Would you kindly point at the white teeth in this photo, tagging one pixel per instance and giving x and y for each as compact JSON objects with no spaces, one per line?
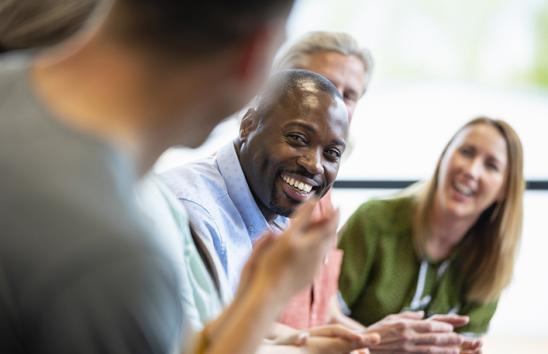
{"x":305,"y":187}
{"x":463,"y":189}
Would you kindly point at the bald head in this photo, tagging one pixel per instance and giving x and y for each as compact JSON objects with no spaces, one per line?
{"x":291,"y":144}
{"x":298,"y":88}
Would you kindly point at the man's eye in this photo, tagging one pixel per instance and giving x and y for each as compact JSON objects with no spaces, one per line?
{"x":296,"y":139}
{"x":333,"y":154}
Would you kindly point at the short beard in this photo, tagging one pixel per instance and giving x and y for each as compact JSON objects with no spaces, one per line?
{"x":275,"y":208}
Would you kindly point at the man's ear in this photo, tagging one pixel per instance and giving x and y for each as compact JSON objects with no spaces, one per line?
{"x":249,"y":123}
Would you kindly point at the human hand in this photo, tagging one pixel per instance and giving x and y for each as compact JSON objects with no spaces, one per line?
{"x":336,"y":345}
{"x":342,"y":332}
{"x":409,"y":333}
{"x":289,"y":261}
{"x":337,"y":317}
{"x":454,"y":320}
{"x":471,"y":346}
{"x":299,"y":338}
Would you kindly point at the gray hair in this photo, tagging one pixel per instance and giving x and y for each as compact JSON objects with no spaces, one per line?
{"x":322,"y":41}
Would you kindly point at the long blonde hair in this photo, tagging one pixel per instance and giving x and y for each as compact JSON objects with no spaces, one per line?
{"x":491,"y":244}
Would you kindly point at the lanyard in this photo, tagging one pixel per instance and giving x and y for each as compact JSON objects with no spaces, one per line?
{"x":419,"y":301}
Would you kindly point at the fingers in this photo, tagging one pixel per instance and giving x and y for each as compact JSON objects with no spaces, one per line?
{"x":335,"y":331}
{"x":471,"y":346}
{"x":412,"y":315}
{"x":258,"y":249}
{"x":417,"y":336}
{"x":298,"y":339}
{"x":319,"y":237}
{"x":475,"y":351}
{"x":327,"y":224}
{"x":303,"y":215}
{"x":354,"y":340}
{"x":432,"y":350}
{"x":262,"y":243}
{"x":431,"y":326}
{"x":361,"y":351}
{"x":454,"y":320}
{"x":438,"y":339}
{"x":471,"y":343}
{"x":370,"y":339}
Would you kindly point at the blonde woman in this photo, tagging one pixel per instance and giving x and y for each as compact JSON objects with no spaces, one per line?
{"x":446,"y":246}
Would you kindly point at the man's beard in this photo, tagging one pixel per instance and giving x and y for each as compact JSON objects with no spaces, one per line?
{"x":276,"y":208}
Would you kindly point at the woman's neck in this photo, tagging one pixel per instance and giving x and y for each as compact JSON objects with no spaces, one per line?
{"x":446,"y":232}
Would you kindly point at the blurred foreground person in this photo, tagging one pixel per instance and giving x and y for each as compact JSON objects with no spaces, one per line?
{"x":79,"y":270}
{"x":443,"y":247}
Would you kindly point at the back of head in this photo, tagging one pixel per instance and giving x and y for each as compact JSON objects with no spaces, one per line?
{"x":322,"y":41}
{"x":192,"y":27}
{"x":29,"y":24}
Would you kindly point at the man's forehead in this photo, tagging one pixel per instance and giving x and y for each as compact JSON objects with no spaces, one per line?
{"x":301,"y":104}
{"x":318,"y":108}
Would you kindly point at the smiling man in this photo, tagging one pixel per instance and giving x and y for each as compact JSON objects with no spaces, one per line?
{"x":288,"y":150}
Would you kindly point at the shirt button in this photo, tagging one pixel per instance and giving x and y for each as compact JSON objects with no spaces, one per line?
{"x":251,"y":229}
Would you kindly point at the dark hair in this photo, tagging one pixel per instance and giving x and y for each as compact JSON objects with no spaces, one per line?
{"x":289,"y":83}
{"x":33,"y":24}
{"x":190,"y":26}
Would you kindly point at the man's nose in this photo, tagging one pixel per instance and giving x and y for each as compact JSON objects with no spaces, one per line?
{"x":312,"y":161}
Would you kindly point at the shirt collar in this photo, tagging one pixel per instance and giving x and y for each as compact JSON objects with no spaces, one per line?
{"x":239,"y":192}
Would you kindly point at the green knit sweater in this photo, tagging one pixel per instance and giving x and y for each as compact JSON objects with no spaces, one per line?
{"x":381,"y":272}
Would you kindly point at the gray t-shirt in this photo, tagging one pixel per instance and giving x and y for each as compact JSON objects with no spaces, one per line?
{"x":79,"y":272}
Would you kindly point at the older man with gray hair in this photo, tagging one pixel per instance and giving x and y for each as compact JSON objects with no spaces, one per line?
{"x":338,"y":57}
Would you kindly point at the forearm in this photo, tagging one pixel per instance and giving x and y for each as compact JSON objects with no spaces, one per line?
{"x":281,"y":349}
{"x":336,"y":316}
{"x":247,"y":322}
{"x":280,"y":330}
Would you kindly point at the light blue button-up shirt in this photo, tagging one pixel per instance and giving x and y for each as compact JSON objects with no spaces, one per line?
{"x":221,"y":207}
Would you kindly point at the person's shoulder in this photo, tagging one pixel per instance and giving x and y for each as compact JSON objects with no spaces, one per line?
{"x":394,"y":204}
{"x":387,"y":212}
{"x":14,"y":64}
{"x":13,"y":72}
{"x":195,"y":180}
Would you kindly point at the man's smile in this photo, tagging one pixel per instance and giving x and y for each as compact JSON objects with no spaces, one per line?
{"x":297,"y":183}
{"x":298,"y":188}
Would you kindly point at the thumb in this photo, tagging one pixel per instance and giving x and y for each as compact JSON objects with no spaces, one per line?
{"x":303,"y":215}
{"x":370,"y":339}
{"x":412,"y":315}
